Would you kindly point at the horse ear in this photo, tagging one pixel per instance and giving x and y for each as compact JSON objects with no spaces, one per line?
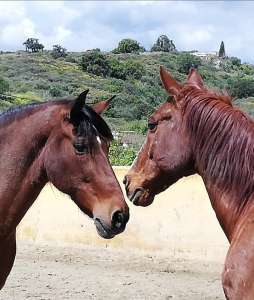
{"x":195,"y":79}
{"x":80,"y":101}
{"x":170,"y":84}
{"x":101,"y":106}
{"x":77,"y":107}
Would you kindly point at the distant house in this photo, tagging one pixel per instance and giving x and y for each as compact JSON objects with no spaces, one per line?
{"x":206,"y":55}
{"x":129,"y":138}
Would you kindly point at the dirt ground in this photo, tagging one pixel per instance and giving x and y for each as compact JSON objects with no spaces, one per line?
{"x":45,"y":272}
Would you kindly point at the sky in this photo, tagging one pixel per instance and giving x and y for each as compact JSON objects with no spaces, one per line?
{"x":78,"y":26}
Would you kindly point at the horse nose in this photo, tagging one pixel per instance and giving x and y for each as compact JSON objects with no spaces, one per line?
{"x":119,"y":220}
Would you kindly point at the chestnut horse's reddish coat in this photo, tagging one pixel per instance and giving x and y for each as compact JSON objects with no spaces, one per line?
{"x":64,"y":142}
{"x":199,"y":131}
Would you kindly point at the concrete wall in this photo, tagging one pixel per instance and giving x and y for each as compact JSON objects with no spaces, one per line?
{"x":180,"y":222}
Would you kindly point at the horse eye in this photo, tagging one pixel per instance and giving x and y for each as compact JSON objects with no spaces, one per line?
{"x":81,"y":151}
{"x":80,"y":147}
{"x":152,"y":126}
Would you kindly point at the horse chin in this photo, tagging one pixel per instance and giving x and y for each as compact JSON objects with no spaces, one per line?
{"x":142,"y":197}
{"x":146,"y":201}
{"x":103,"y":230}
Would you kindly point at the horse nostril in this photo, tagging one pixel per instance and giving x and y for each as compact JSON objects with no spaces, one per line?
{"x":118,"y":220}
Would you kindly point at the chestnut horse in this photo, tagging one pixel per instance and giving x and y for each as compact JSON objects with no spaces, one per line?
{"x":199,"y":131}
{"x":64,"y":142}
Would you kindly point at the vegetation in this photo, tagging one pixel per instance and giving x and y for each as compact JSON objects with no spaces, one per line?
{"x":128,"y":46}
{"x":134,"y":77}
{"x":186,"y":61}
{"x":222,"y":52}
{"x":4,"y":86}
{"x":58,"y":51}
{"x":33,"y":45}
{"x":120,"y":155}
{"x":241,"y":87}
{"x":164,"y":44}
{"x":97,"y":63}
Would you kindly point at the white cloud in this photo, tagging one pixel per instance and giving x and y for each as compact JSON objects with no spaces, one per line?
{"x":59,"y":35}
{"x":84,"y":25}
{"x":14,"y":34}
{"x":11,"y":11}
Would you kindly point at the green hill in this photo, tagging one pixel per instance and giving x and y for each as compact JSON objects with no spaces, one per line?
{"x":38,"y":76}
{"x":134,"y":78}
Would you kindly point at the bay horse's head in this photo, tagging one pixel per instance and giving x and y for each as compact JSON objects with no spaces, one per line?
{"x":77,"y":164}
{"x":166,"y":154}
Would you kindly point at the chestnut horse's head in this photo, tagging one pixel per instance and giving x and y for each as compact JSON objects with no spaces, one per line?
{"x":77,"y":163}
{"x":166,"y":155}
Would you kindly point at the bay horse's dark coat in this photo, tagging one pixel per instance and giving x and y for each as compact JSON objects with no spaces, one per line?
{"x":63,"y":142}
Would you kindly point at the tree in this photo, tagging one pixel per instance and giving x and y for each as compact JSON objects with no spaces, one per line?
{"x":58,"y":51}
{"x":222,"y":53}
{"x":164,"y":44}
{"x":95,"y":62}
{"x":186,"y":61}
{"x":128,"y":46}
{"x":33,"y":45}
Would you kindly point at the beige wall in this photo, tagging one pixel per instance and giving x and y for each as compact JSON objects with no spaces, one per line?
{"x":180,"y":222}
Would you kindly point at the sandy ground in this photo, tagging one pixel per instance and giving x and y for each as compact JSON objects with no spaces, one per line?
{"x":45,"y":272}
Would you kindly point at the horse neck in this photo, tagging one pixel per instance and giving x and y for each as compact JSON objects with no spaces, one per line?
{"x":22,"y":175}
{"x":226,"y":212}
{"x":227,"y":174}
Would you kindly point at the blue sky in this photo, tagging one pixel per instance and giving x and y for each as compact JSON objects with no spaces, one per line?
{"x":85,"y":25}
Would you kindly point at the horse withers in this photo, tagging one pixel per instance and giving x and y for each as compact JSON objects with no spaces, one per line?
{"x":200,"y":131}
{"x":64,"y":142}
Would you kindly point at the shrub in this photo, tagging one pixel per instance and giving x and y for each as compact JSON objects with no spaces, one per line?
{"x":235,"y":61}
{"x":95,"y":62}
{"x":247,"y":69}
{"x":117,"y":69}
{"x":120,"y":155}
{"x":134,"y":69}
{"x":128,"y":46}
{"x":186,"y":61}
{"x":4,"y":86}
{"x":241,"y":87}
{"x":55,"y":91}
{"x":58,"y":51}
{"x":125,"y":69}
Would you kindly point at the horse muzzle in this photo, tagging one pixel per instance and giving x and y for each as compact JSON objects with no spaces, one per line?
{"x":118,"y":223}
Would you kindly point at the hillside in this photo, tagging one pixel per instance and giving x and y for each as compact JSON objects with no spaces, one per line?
{"x":38,"y":76}
{"x":27,"y":77}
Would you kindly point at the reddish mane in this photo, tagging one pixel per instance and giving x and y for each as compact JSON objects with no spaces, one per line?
{"x":223,"y":140}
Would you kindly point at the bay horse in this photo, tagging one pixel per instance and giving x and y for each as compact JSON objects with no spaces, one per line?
{"x":64,"y":142}
{"x":200,"y":131}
